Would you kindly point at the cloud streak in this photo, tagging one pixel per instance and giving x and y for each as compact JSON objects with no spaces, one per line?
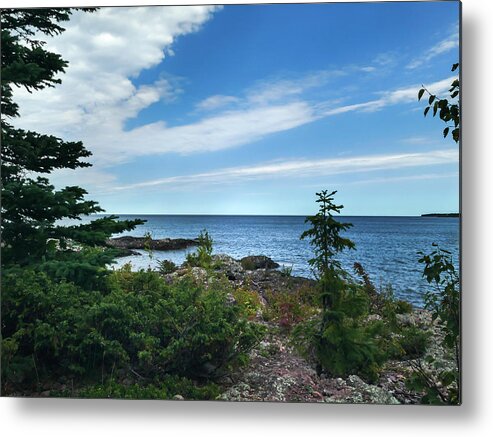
{"x":301,"y":169}
{"x":443,"y":46}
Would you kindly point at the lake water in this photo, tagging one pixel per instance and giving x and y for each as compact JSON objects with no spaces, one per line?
{"x":386,"y":246}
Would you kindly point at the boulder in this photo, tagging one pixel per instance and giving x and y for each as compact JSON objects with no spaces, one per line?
{"x":230,"y":267}
{"x":255,"y":262}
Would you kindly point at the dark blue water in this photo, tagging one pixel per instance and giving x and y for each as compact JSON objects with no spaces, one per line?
{"x":386,"y":246}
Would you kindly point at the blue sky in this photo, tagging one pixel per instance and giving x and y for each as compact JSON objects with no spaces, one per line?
{"x":252,"y":109}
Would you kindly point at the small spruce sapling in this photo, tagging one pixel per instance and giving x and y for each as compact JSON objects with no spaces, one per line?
{"x":325,"y":238}
{"x":341,"y":343}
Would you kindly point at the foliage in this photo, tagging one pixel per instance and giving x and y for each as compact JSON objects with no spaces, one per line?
{"x":286,"y":271}
{"x":31,"y":207}
{"x":443,"y":300}
{"x":339,"y":340}
{"x":248,"y":264}
{"x":394,"y":339}
{"x":442,"y":385}
{"x":344,"y":343}
{"x":167,"y":388}
{"x":413,"y":342}
{"x":248,"y":300}
{"x":166,"y":266}
{"x":203,"y":256}
{"x":345,"y":339}
{"x":376,"y":299}
{"x":291,"y":307}
{"x":448,"y":109}
{"x":140,"y":324}
{"x":382,"y":301}
{"x":324,"y":235}
{"x":148,"y":245}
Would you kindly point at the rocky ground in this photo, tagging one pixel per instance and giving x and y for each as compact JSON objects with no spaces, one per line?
{"x":276,"y":372}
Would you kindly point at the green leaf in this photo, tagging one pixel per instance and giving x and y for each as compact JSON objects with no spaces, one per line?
{"x":456,"y":134}
{"x":426,"y":110}
{"x":455,"y":66}
{"x":435,"y":108}
{"x":431,"y":99}
{"x":420,"y":93}
{"x":445,"y":132}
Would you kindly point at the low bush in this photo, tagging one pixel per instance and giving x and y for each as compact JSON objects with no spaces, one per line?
{"x":341,"y":342}
{"x":248,"y":300}
{"x":413,"y":342}
{"x":203,"y":256}
{"x":438,"y":379}
{"x":166,"y":267}
{"x":167,"y":388}
{"x":139,"y":323}
{"x":290,"y":307}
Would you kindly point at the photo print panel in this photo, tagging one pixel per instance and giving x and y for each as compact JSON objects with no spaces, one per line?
{"x":252,"y":202}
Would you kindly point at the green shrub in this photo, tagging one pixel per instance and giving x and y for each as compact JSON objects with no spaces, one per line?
{"x":203,"y":256}
{"x":438,"y":381}
{"x":248,"y":264}
{"x":403,"y":307}
{"x":140,"y":323}
{"x":166,"y":267}
{"x":413,"y":342}
{"x":290,"y":307}
{"x":341,"y":342}
{"x":167,"y":388}
{"x":286,"y":271}
{"x":248,"y":300}
{"x":43,"y":327}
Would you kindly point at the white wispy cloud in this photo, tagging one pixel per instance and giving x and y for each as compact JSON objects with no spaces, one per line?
{"x":105,"y":50}
{"x":418,"y":177}
{"x":443,"y":46}
{"x":388,"y":98}
{"x":97,"y":96}
{"x":301,"y":168}
{"x":223,"y":131}
{"x":273,"y":90}
{"x":419,"y":141}
{"x":216,"y":101}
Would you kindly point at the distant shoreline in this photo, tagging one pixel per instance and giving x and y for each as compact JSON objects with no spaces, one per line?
{"x":450,"y":214}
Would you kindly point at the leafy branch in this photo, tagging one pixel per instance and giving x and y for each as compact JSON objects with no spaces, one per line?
{"x":447,"y":109}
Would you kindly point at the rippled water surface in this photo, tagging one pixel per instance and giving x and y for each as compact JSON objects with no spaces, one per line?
{"x":386,"y":246}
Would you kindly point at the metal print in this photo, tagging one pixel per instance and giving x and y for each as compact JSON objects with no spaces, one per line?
{"x":232,"y":203}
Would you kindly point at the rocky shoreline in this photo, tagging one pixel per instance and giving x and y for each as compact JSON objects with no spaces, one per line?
{"x":127,"y":245}
{"x":258,"y":271}
{"x":276,"y":371}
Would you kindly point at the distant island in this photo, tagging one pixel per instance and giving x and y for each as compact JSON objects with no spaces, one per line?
{"x":450,"y":214}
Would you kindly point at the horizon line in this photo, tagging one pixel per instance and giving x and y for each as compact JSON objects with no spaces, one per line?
{"x":268,"y":215}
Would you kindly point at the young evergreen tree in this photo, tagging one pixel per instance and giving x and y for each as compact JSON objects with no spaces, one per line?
{"x":31,"y":206}
{"x":341,"y":342}
{"x":324,"y":235}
